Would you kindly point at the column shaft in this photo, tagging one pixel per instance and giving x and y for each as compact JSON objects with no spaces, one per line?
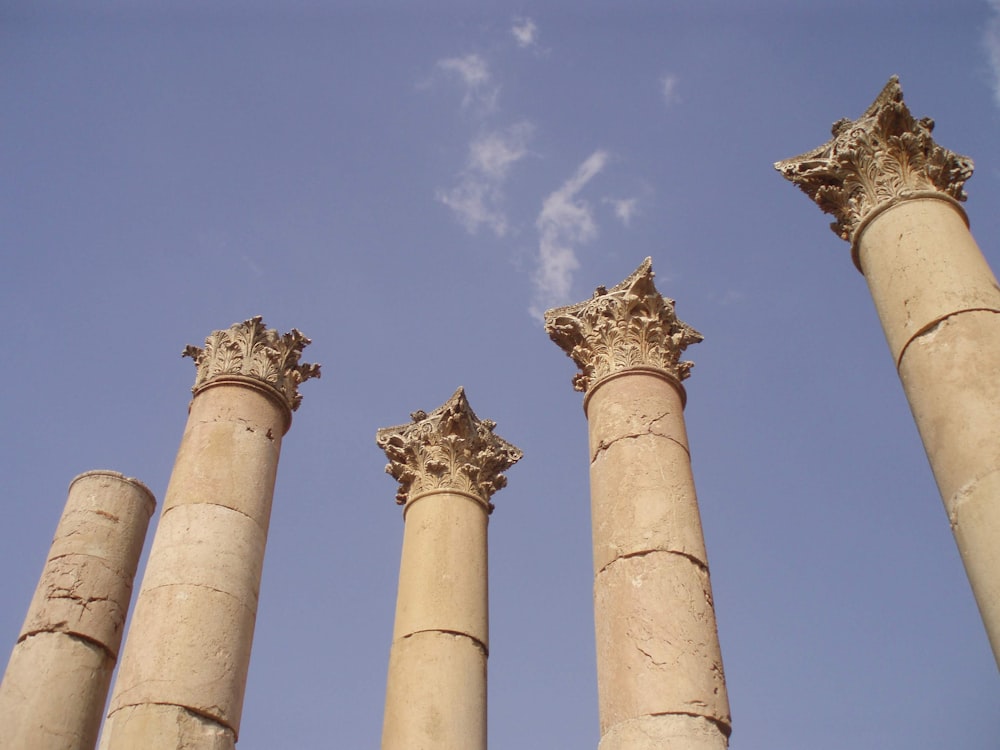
{"x":894,"y":193}
{"x":659,"y":667}
{"x":436,"y":687}
{"x":448,"y":463}
{"x":184,"y":666}
{"x":939,"y":305}
{"x":188,"y":650}
{"x":57,"y":680}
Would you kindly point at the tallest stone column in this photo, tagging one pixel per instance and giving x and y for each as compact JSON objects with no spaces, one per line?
{"x":659,"y":668}
{"x":184,"y":666}
{"x":894,"y":194}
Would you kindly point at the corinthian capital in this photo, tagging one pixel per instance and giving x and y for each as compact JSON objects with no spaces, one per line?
{"x":448,"y":449}
{"x":631,"y":325}
{"x":884,"y":156}
{"x":249,"y":351}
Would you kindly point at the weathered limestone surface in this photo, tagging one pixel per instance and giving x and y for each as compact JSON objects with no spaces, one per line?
{"x":657,"y":650}
{"x":443,"y":569}
{"x":57,"y":680}
{"x":951,"y":375}
{"x":642,"y":489}
{"x":448,"y":463}
{"x":664,"y":732}
{"x":184,"y":667}
{"x":922,"y":266}
{"x":656,"y":638}
{"x":436,"y":692}
{"x":894,"y":193}
{"x":166,"y":726}
{"x":659,"y":666}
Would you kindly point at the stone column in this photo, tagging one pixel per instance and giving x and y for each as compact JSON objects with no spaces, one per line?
{"x":448,"y":464}
{"x":659,"y":667}
{"x":894,"y":193}
{"x":57,"y":680}
{"x":185,"y":660}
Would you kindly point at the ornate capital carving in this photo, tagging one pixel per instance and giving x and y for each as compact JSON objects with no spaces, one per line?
{"x":631,"y":325}
{"x":884,"y":156}
{"x":251,"y":351}
{"x":448,"y":449}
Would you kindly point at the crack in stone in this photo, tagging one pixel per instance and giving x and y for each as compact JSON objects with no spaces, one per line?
{"x":664,"y":415}
{"x":70,"y":593}
{"x":217,"y":505}
{"x":650,"y":656}
{"x":723,"y":727}
{"x":457,"y":633}
{"x":962,"y":494}
{"x":103,"y":560}
{"x":934,"y":325}
{"x":604,"y":445}
{"x":56,"y":629}
{"x":643,"y":553}
{"x":199,"y":714}
{"x":231,"y":595}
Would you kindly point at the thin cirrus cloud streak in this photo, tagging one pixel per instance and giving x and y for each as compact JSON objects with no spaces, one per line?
{"x":992,"y":40}
{"x":565,"y":222}
{"x":477,"y":200}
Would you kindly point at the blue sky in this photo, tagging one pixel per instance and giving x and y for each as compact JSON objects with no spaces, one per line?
{"x":411,"y":188}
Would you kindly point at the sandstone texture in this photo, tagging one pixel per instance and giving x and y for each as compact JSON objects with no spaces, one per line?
{"x":184,"y":667}
{"x":436,"y":693}
{"x":895,"y":195}
{"x":660,"y":681}
{"x":57,"y":680}
{"x":448,"y":464}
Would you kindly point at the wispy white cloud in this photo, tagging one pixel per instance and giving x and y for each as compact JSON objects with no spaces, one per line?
{"x":565,"y":221}
{"x":472,"y":69}
{"x":476,"y":203}
{"x":525,"y":32}
{"x":477,"y":200}
{"x":474,"y":75}
{"x":668,"y":88}
{"x":493,"y":153}
{"x":992,"y":38}
{"x":624,"y":208}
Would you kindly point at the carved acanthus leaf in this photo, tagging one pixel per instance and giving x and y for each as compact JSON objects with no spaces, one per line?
{"x":884,"y":155}
{"x":632,"y":325}
{"x":251,"y":350}
{"x":448,"y":449}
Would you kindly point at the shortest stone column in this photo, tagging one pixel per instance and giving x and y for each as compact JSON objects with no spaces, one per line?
{"x":448,"y":463}
{"x":57,"y":680}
